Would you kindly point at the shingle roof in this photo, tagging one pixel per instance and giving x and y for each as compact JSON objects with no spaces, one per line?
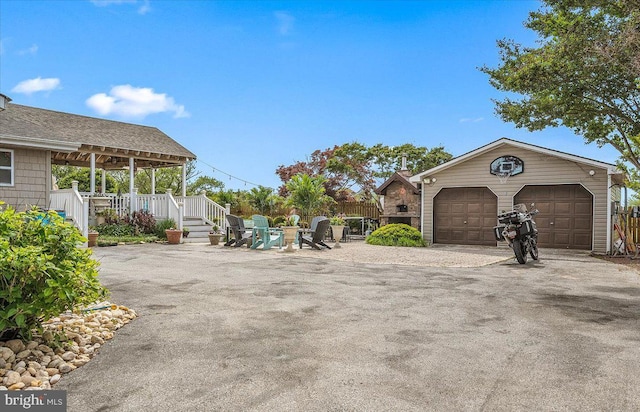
{"x":92,"y":133}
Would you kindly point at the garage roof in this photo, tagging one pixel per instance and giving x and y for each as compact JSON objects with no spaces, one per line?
{"x":611,"y":168}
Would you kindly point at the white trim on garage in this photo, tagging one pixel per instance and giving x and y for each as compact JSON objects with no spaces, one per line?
{"x":611,"y":169}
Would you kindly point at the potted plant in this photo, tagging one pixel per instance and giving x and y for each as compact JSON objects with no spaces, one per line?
{"x":185,"y":232}
{"x":173,"y":235}
{"x":92,"y":238}
{"x":215,"y":235}
{"x":290,"y":230}
{"x":337,"y":228}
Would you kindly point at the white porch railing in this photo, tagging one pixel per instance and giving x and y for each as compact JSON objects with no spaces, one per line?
{"x":201,"y":207}
{"x":73,"y":205}
{"x":173,"y":209}
{"x":162,"y":206}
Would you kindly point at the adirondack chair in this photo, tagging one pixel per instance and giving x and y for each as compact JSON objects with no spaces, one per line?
{"x":316,"y":234}
{"x":241,"y":235}
{"x":265,"y":235}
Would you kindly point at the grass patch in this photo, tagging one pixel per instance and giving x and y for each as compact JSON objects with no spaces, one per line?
{"x":107,"y":240}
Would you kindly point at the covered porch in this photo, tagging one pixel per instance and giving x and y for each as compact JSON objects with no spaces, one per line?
{"x":33,"y":136}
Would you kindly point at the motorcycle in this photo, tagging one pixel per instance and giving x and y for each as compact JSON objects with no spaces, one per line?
{"x":519,"y":230}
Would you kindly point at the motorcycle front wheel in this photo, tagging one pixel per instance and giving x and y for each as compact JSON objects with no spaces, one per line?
{"x":519,"y":250}
{"x":533,"y":250}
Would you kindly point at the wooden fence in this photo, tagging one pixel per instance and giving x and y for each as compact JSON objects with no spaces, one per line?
{"x":363,"y":209}
{"x":629,"y":223}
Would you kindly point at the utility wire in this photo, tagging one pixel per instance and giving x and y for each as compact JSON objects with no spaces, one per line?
{"x":215,"y":169}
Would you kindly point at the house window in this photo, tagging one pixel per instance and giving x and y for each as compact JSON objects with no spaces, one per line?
{"x":6,"y":167}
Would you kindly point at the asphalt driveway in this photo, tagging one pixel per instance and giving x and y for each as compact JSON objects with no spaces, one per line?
{"x":223,"y":329}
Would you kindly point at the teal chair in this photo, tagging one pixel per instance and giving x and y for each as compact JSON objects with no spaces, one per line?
{"x":265,"y":236}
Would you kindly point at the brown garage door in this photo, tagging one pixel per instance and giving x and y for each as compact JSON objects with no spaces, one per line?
{"x":566,"y":215}
{"x":465,"y":216}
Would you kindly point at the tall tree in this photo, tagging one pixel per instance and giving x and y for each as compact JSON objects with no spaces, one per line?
{"x":388,"y":159}
{"x":583,"y":74}
{"x":354,"y":170}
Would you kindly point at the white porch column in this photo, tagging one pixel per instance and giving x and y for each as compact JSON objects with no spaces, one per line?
{"x":134,"y":200}
{"x":132,"y":175}
{"x":153,"y":180}
{"x":92,"y":181}
{"x":184,"y":180}
{"x":104,"y":181}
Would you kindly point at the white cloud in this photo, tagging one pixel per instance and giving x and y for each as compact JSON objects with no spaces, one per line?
{"x":144,"y":8}
{"x":31,"y":50}
{"x":128,"y":101}
{"x":285,"y":22}
{"x":37,"y":85}
{"x":471,"y":120}
{"x":104,"y":3}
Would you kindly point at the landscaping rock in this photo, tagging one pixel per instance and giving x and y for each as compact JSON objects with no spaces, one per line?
{"x":16,"y":386}
{"x":12,"y":378}
{"x":6,"y":353}
{"x":16,"y":345}
{"x":67,"y":356}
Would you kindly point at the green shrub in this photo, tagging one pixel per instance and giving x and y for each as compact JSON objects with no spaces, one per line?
{"x":115,"y":229}
{"x":396,"y":234}
{"x":162,"y":225}
{"x":142,"y":221}
{"x":43,"y":272}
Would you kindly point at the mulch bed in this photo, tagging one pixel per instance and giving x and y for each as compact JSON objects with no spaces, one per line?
{"x":622,"y":260}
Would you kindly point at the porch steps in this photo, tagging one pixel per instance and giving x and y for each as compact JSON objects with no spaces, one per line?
{"x":198,"y":230}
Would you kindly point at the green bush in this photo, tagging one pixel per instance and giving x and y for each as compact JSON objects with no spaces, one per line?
{"x":143,"y":222}
{"x":115,"y":229}
{"x":43,"y":272}
{"x":396,"y":234}
{"x":162,"y":225}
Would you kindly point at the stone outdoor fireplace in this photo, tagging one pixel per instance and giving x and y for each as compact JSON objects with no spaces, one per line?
{"x":401,"y":202}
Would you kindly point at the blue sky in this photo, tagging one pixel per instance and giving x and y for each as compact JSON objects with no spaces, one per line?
{"x":250,"y":85}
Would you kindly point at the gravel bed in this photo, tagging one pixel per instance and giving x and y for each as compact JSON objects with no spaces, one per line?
{"x":41,"y":363}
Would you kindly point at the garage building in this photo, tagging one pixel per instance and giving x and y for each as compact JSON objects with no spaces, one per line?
{"x":460,"y":199}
